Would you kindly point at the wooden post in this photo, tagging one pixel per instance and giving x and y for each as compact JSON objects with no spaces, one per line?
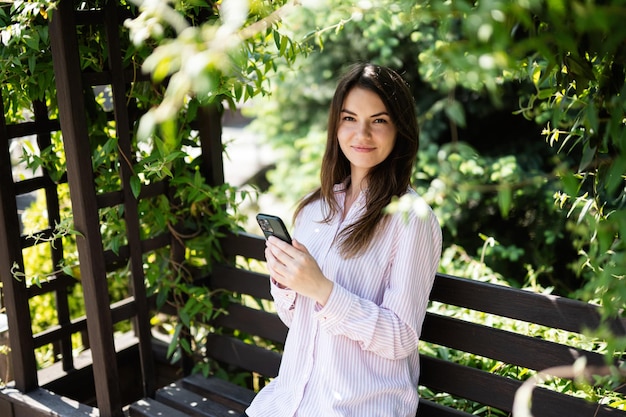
{"x":15,"y":294}
{"x":210,"y":128}
{"x":67,"y":73}
{"x":141,"y":321}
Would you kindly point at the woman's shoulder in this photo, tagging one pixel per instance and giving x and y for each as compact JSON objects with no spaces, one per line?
{"x":411,"y":209}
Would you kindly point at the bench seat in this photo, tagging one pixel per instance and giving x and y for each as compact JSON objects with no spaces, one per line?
{"x":198,"y":396}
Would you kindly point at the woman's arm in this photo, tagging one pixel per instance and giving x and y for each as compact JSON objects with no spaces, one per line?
{"x":391,"y":329}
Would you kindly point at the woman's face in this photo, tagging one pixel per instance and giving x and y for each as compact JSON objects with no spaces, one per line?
{"x":366,"y":133}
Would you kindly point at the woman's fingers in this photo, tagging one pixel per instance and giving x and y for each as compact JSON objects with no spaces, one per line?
{"x":293,"y":267}
{"x":273,"y":263}
{"x":283,"y":261}
{"x":279,"y":246}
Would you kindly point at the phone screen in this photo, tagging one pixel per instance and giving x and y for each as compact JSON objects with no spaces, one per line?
{"x":273,"y":226}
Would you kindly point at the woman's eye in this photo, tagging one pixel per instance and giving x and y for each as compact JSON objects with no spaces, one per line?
{"x":348,"y":118}
{"x":380,"y":121}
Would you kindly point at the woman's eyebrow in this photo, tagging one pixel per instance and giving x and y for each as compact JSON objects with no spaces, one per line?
{"x":382,"y":113}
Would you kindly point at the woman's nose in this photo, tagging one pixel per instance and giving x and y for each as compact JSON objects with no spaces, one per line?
{"x":364,"y":130}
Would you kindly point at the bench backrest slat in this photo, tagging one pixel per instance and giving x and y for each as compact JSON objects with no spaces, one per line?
{"x":430,"y":409}
{"x":501,"y":345}
{"x":243,"y":244}
{"x":499,"y":391}
{"x":256,"y":322}
{"x":546,"y":310}
{"x":241,"y":281}
{"x":242,"y":355}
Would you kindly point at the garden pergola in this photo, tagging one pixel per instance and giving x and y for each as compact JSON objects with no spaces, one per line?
{"x":118,"y":370}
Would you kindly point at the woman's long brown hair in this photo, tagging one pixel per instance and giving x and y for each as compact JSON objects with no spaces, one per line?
{"x":388,"y":179}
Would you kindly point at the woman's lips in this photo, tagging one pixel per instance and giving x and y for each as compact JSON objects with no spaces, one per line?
{"x":363,"y":148}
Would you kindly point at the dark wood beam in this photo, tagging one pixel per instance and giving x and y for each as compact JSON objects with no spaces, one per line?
{"x":64,"y":46}
{"x":141,"y":322}
{"x":210,"y":129}
{"x":15,"y":293}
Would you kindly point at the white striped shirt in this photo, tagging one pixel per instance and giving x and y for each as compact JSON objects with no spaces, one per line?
{"x":356,"y":356}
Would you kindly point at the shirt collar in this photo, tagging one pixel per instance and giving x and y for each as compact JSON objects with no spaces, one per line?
{"x":342,"y":186}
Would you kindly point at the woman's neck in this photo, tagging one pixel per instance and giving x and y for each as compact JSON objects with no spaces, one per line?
{"x":352,"y":193}
{"x":358,"y":182}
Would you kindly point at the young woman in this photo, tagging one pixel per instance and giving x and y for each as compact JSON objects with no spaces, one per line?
{"x":353,"y":288}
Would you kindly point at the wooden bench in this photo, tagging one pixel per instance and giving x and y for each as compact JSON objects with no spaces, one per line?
{"x":199,"y":396}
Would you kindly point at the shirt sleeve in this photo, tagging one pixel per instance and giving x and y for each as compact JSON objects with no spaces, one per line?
{"x":391,"y":329}
{"x":284,"y":301}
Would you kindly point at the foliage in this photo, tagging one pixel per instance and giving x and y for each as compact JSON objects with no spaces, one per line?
{"x":385,"y":34}
{"x":478,"y":180}
{"x":486,"y":77}
{"x":574,"y":58}
{"x":194,"y":213}
{"x":227,"y":60}
{"x":224,"y":59}
{"x":471,"y":64}
{"x":26,"y":70}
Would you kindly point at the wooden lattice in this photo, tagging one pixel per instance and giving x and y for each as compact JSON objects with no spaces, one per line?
{"x":97,"y":328}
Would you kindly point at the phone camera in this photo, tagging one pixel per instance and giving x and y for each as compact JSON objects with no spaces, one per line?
{"x":265,"y":225}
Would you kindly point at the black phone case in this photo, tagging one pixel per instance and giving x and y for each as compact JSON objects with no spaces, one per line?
{"x":273,"y":226}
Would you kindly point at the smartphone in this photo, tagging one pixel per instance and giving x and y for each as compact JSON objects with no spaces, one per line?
{"x":273,"y":226}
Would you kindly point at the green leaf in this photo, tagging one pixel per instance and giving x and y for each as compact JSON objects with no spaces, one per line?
{"x":237,"y":90}
{"x":32,"y":41}
{"x":545,"y":93}
{"x":277,"y":39}
{"x":454,"y":111}
{"x":504,"y":199}
{"x":184,"y":343}
{"x":67,"y":270}
{"x":166,"y":171}
{"x":174,"y":155}
{"x":31,"y":63}
{"x":115,"y":243}
{"x":606,"y":235}
{"x":284,"y":42}
{"x":135,"y":185}
{"x":589,"y":154}
{"x":184,"y":317}
{"x":162,"y":296}
{"x":174,"y":344}
{"x":249,"y":91}
{"x":615,"y":174}
{"x":571,"y":183}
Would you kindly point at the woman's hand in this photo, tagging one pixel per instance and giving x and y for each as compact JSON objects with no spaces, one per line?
{"x":295,"y":268}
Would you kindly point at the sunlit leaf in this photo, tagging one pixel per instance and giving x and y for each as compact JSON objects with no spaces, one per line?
{"x":585,"y":210}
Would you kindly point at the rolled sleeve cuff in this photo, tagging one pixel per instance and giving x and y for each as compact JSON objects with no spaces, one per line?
{"x":282,"y":294}
{"x":336,"y":309}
